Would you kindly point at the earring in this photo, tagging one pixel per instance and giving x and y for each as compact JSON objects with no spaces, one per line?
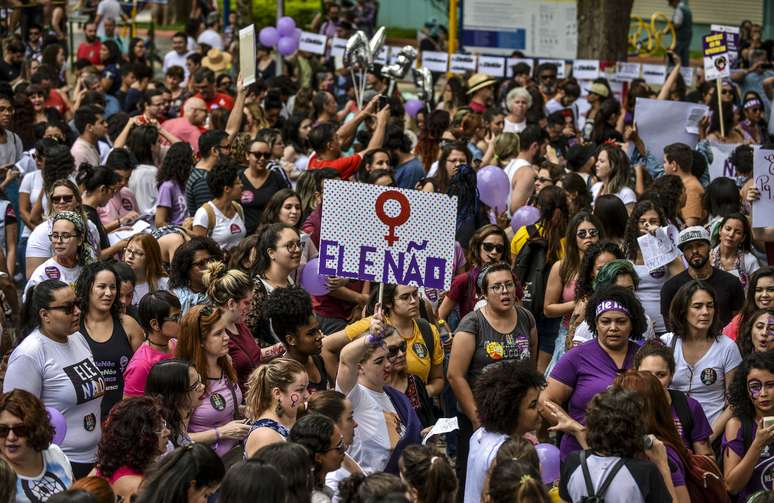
{"x":278,"y":410}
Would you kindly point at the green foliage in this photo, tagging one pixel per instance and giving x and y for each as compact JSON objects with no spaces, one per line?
{"x":302,"y":11}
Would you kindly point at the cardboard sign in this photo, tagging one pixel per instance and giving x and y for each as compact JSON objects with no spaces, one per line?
{"x":561,"y":71}
{"x":763,"y":173}
{"x":716,"y":63}
{"x":585,"y":69}
{"x":627,"y":71}
{"x":312,"y":42}
{"x":338,"y":46}
{"x":658,"y":249}
{"x":514,"y":61}
{"x":247,"y":54}
{"x":461,"y":63}
{"x":654,"y":74}
{"x":435,"y":61}
{"x":389,"y":235}
{"x":491,"y":65}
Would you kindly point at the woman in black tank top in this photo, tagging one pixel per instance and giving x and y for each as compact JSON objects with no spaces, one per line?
{"x":112,"y":337}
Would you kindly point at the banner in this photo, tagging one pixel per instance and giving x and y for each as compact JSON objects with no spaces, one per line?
{"x":561,"y":71}
{"x":585,"y":69}
{"x":435,"y":61}
{"x":491,"y":65}
{"x":662,"y":122}
{"x":312,"y":42}
{"x":763,"y":172}
{"x":627,"y":71}
{"x":721,"y":164}
{"x":461,"y":63}
{"x":654,"y":74}
{"x":389,"y":235}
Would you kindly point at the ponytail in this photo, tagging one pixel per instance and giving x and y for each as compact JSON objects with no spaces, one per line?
{"x":513,"y":481}
{"x":430,"y":474}
{"x":279,"y":373}
{"x":38,"y":297}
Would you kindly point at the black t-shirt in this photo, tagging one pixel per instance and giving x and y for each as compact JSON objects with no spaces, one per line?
{"x":91,"y":214}
{"x":254,"y":200}
{"x":728,"y":290}
{"x":9,"y":72}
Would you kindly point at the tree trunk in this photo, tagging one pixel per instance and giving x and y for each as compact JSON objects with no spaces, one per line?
{"x":245,"y":12}
{"x":603,"y":28}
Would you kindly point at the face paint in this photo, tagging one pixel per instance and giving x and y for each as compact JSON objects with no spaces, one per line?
{"x":755,"y":387}
{"x":294,"y":399}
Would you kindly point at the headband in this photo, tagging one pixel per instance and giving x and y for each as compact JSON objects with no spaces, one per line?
{"x":755,"y":102}
{"x":611,"y":305}
{"x":86,"y":253}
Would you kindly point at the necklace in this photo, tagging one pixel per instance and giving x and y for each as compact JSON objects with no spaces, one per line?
{"x":162,"y":346}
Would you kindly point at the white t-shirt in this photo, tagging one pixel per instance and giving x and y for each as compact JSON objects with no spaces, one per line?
{"x":31,"y":184}
{"x":107,"y":8}
{"x":626,"y":194}
{"x":705,"y":381}
{"x":378,"y":431}
{"x":63,"y":375}
{"x":51,"y":269}
{"x":511,"y":169}
{"x":514,"y":127}
{"x":142,"y":182}
{"x":172,"y":58}
{"x":483,"y":449}
{"x":141,"y":289}
{"x":227,"y":232}
{"x":333,"y":478}
{"x":39,"y":245}
{"x":55,"y":477}
{"x":211,"y":38}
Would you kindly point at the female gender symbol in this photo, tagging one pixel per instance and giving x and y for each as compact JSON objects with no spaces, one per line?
{"x":399,"y":219}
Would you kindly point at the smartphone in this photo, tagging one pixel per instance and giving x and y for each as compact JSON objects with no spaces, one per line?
{"x":648,"y":441}
{"x":768,"y":421}
{"x":383,"y":101}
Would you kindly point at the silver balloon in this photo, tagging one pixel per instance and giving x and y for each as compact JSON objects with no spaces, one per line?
{"x":365,"y":44}
{"x":357,"y":52}
{"x":423,"y":81}
{"x":377,"y":41}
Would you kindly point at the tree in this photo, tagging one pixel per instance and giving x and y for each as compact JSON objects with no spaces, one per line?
{"x":603,"y":29}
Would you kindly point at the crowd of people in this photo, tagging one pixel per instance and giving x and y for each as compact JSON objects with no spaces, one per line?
{"x":159,"y":345}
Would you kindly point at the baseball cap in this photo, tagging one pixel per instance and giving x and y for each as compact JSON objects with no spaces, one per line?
{"x":693,"y":233}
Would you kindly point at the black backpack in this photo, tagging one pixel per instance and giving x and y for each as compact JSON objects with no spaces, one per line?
{"x":532,"y":268}
{"x":680,"y":401}
{"x":599,"y":495}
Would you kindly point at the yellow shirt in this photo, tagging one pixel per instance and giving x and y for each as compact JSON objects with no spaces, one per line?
{"x":418,"y":359}
{"x":522,"y":236}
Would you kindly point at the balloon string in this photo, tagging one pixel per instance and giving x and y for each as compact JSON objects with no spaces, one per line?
{"x":362,"y":86}
{"x":358,"y":98}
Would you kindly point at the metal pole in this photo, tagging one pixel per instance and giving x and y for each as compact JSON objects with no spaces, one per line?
{"x":452,"y":43}
{"x":280,"y":13}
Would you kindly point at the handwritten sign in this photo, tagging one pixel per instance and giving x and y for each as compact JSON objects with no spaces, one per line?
{"x":461,"y":63}
{"x":397,"y":236}
{"x":658,"y":249}
{"x":435,"y":61}
{"x":491,"y":65}
{"x":763,"y":172}
{"x":247,"y":54}
{"x":585,"y":69}
{"x":312,"y":42}
{"x":716,"y":64}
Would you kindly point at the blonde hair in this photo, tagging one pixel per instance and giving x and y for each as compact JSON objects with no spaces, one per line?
{"x":279,"y":373}
{"x":223,"y":284}
{"x":518,"y":92}
{"x":506,"y":146}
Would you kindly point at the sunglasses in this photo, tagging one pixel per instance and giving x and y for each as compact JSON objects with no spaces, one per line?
{"x":587,"y":233}
{"x":68,"y":308}
{"x":19,"y":430}
{"x":392,"y":351}
{"x":341,"y":446}
{"x":264,"y":155}
{"x":62,"y":199}
{"x":488,"y":247}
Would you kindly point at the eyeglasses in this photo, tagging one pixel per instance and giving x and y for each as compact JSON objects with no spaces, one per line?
{"x":20,"y":430}
{"x":755,"y":109}
{"x":292,"y":246}
{"x":500,"y":287}
{"x":63,"y":237}
{"x":258,"y":155}
{"x":163,"y":427}
{"x":203,"y":262}
{"x":62,"y":199}
{"x":8,"y":110}
{"x":726,"y":92}
{"x":488,"y":247}
{"x":587,"y":233}
{"x":134,"y":252}
{"x":341,"y":446}
{"x":392,"y":351}
{"x":543,"y":179}
{"x":68,"y":308}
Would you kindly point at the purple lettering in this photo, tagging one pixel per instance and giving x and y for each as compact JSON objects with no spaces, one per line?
{"x":325,"y":256}
{"x":390,"y":265}
{"x":364,"y":263}
{"x":413,"y":274}
{"x":729,"y":169}
{"x":343,"y":273}
{"x":435,"y":272}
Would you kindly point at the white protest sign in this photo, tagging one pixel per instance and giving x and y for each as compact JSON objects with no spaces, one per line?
{"x":389,"y":235}
{"x":247,"y":54}
{"x":585,"y":69}
{"x":491,"y":65}
{"x":763,"y":173}
{"x":443,"y":425}
{"x":561,"y":71}
{"x":461,"y":63}
{"x":514,"y":61}
{"x":654,"y":74}
{"x":338,"y":45}
{"x":662,"y":122}
{"x":627,"y":71}
{"x":716,"y":63}
{"x":435,"y":61}
{"x":721,"y":164}
{"x":312,"y":42}
{"x":658,"y":249}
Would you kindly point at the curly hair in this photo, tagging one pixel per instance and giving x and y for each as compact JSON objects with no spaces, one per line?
{"x":224,"y":174}
{"x":615,"y":422}
{"x":314,"y":431}
{"x":182,"y":261}
{"x":32,"y":412}
{"x":738,"y":393}
{"x":499,"y":389}
{"x":667,"y":191}
{"x":678,"y":309}
{"x":288,"y":309}
{"x":59,"y":165}
{"x":130,"y":436}
{"x":631,"y":246}
{"x":623,"y":296}
{"x":744,"y":338}
{"x":274,"y":206}
{"x":85,"y":283}
{"x":177,"y":164}
{"x":584,"y":286}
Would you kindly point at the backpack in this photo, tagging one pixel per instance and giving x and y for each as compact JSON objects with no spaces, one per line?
{"x":680,"y":401}
{"x":427,"y":335}
{"x":211,"y":215}
{"x":703,"y":479}
{"x":599,"y":495}
{"x":532,"y":268}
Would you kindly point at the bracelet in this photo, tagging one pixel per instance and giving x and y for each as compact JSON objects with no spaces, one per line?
{"x":217,"y":438}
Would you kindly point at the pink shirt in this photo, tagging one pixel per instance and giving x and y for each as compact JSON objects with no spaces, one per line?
{"x":119,"y":205}
{"x":136,"y":373}
{"x":217,"y":408}
{"x":185,"y":131}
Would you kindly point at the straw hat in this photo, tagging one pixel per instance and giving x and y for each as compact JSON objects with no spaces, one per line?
{"x":216,"y":60}
{"x":479,"y":81}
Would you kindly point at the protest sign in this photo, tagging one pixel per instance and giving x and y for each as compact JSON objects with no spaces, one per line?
{"x":389,"y":235}
{"x":461,"y":63}
{"x":763,"y":172}
{"x":435,"y":61}
{"x":560,"y":67}
{"x":732,"y":41}
{"x":627,"y":71}
{"x":585,"y":69}
{"x":658,"y":249}
{"x":514,"y":61}
{"x":312,"y":42}
{"x":661,"y":122}
{"x":491,"y":65}
{"x":721,"y":164}
{"x":337,"y":46}
{"x":247,"y":54}
{"x":716,"y":65}
{"x":654,"y":74}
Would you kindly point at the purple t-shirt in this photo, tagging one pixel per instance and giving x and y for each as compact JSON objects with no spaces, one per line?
{"x":588,"y":370}
{"x":172,"y":197}
{"x":701,"y":427}
{"x":217,"y":408}
{"x":676,"y":466}
{"x":763,"y":474}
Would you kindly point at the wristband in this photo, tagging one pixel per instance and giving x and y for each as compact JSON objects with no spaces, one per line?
{"x":217,"y":438}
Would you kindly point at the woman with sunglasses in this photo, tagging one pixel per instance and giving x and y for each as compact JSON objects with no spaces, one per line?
{"x":143,"y":255}
{"x":112,"y":336}
{"x":582,"y":232}
{"x":134,"y":437}
{"x":178,"y":387}
{"x":171,"y":207}
{"x":753,"y":125}
{"x":259,"y":183}
{"x":159,"y":314}
{"x":203,"y":341}
{"x":187,"y":269}
{"x":26,"y":437}
{"x":325,"y":444}
{"x":53,"y":361}
{"x":71,"y":251}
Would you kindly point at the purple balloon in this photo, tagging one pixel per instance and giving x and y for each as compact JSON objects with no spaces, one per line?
{"x":59,"y":423}
{"x":549,"y":462}
{"x":412,"y":107}
{"x":269,"y":36}
{"x":311,"y":281}
{"x":287,"y":46}
{"x":297,"y":34}
{"x":526,"y":215}
{"x":493,"y":187}
{"x":286,"y":26}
